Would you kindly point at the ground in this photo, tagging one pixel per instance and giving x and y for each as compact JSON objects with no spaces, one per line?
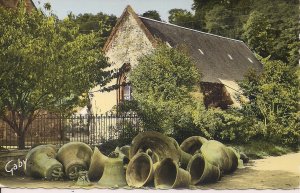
{"x":282,"y":172}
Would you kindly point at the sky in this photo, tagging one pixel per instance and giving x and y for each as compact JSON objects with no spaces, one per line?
{"x":61,"y":8}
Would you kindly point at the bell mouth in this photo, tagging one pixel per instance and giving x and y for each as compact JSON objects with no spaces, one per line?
{"x":139,"y":170}
{"x":73,"y":167}
{"x":55,"y":172}
{"x":166,"y":174}
{"x":196,"y":168}
{"x":193,"y":144}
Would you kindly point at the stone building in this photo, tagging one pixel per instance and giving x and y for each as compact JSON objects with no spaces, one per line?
{"x":222,"y":61}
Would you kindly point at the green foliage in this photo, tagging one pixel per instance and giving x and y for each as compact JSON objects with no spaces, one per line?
{"x":258,"y":33}
{"x":46,"y":64}
{"x":218,"y":20}
{"x":152,"y":14}
{"x":127,"y":131}
{"x":274,"y":101}
{"x":181,"y":17}
{"x":225,"y":125}
{"x":259,"y":149}
{"x":283,"y":18}
{"x":162,"y":84}
{"x":101,"y":24}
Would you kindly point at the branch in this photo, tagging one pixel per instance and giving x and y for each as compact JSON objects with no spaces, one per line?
{"x":10,"y":123}
{"x":31,"y":118}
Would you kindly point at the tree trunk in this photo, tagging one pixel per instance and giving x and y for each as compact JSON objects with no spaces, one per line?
{"x":21,"y":140}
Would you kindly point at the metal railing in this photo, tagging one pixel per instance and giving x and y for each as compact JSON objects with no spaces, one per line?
{"x":58,"y":130}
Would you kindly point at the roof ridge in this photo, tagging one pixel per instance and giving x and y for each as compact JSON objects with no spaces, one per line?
{"x":190,"y":29}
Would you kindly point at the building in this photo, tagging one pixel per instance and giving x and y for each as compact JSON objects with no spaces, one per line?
{"x":14,"y":3}
{"x":222,"y":61}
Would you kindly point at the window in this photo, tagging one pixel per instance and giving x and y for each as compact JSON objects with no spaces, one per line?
{"x":201,"y":51}
{"x":250,"y":60}
{"x":124,"y":90}
{"x":127,"y":92}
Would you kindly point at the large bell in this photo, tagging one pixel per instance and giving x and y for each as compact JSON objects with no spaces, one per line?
{"x":233,"y":157}
{"x":169,"y":175}
{"x":75,"y":157}
{"x":96,"y":169}
{"x":83,"y":179}
{"x":114,"y":174}
{"x":153,"y":156}
{"x":41,"y":163}
{"x":240,"y":163}
{"x":215,"y":153}
{"x":162,"y":145}
{"x":202,"y":171}
{"x":184,"y":157}
{"x":192,"y":144}
{"x":117,"y":153}
{"x":140,"y":170}
{"x":125,"y":150}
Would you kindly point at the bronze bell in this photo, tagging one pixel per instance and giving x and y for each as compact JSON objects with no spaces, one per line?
{"x":233,"y":157}
{"x":192,"y":144}
{"x":184,"y":156}
{"x":83,"y":179}
{"x":41,"y":163}
{"x":168,"y":175}
{"x":113,"y":174}
{"x":140,"y":170}
{"x":202,"y":171}
{"x":96,"y":169}
{"x":162,"y":145}
{"x":125,"y":150}
{"x":215,"y":153}
{"x":75,"y":157}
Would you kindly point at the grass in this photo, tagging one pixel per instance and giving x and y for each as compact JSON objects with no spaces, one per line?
{"x":262,"y":149}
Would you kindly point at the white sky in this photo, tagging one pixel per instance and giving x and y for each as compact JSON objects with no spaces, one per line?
{"x":62,"y":7}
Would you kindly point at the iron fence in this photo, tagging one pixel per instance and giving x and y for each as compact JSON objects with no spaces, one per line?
{"x":58,"y":130}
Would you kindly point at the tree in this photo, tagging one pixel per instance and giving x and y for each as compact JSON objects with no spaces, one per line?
{"x":100,"y":23}
{"x":273,"y":99}
{"x":258,"y":33}
{"x":276,"y":26}
{"x":162,"y":85}
{"x":219,"y":21}
{"x":46,"y":65}
{"x":152,"y":14}
{"x":181,"y":17}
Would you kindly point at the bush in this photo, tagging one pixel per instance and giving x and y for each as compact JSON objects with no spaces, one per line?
{"x":127,"y":131}
{"x":162,"y":84}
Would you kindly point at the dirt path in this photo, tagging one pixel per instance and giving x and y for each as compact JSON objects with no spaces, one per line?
{"x":281,"y":172}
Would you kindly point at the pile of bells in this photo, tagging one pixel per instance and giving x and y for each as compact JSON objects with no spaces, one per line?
{"x":152,"y":159}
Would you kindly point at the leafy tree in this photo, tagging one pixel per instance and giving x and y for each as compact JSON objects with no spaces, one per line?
{"x":273,"y":100}
{"x":46,"y":65}
{"x":258,"y":33}
{"x":162,"y":83}
{"x":152,"y":14}
{"x":181,"y":17}
{"x":100,"y":23}
{"x":281,"y":19}
{"x":218,"y":20}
